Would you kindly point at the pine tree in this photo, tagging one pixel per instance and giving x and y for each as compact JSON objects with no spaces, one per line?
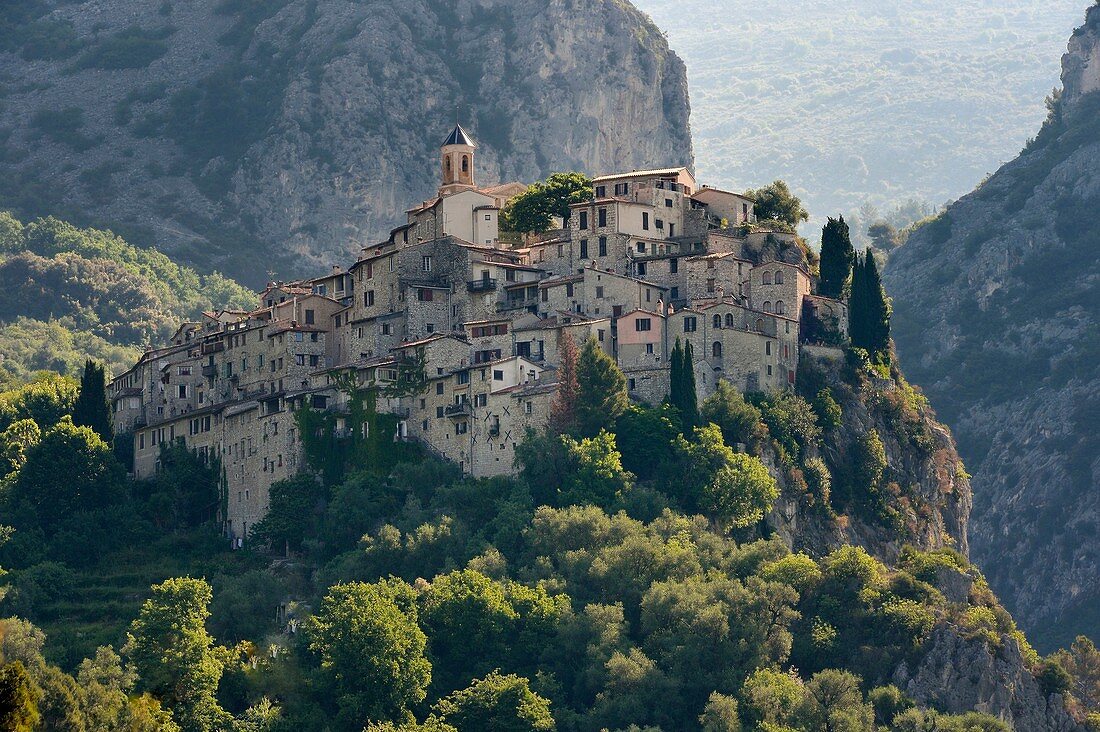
{"x":837,"y":259}
{"x":689,"y":408}
{"x":563,"y":412}
{"x":601,"y":392}
{"x":92,"y":408}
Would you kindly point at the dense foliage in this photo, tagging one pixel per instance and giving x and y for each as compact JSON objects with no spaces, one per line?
{"x":837,"y":259}
{"x":67,"y":294}
{"x":533,"y":210}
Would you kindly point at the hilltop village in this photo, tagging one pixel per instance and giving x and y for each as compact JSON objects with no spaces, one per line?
{"x":650,"y":260}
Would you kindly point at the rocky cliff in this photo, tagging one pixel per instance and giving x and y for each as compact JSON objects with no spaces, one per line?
{"x":997,"y":316}
{"x":284,"y":134}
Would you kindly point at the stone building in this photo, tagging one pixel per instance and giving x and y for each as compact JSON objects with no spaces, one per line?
{"x":651,"y":259}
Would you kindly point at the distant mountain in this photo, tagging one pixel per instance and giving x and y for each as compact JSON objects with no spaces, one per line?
{"x":863,"y":100}
{"x":283,"y":135}
{"x":997,"y":315}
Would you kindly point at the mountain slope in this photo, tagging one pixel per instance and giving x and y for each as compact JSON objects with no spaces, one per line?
{"x":300,"y":129}
{"x":996,"y":314}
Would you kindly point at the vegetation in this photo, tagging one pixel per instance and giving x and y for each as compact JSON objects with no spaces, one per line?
{"x":837,"y":259}
{"x":533,"y":210}
{"x":776,"y":202}
{"x":69,"y":294}
{"x":869,"y":310}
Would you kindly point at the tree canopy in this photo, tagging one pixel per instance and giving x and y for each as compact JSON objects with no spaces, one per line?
{"x":777,"y":202}
{"x":837,"y":259}
{"x":533,"y":210}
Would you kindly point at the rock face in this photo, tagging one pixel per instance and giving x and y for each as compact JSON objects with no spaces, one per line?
{"x":997,"y":316}
{"x":958,"y":675}
{"x":285,"y":134}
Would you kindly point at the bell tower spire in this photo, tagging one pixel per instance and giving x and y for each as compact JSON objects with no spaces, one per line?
{"x":457,"y":158}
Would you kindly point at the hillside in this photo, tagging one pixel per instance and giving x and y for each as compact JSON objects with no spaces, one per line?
{"x":219,"y":130}
{"x":997,"y":316}
{"x":67,"y":294}
{"x":864,"y":101}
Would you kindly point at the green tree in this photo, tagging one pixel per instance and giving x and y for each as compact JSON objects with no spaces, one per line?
{"x":291,"y":514}
{"x":15,"y":442}
{"x":371,"y":650}
{"x":740,"y":494}
{"x":92,"y":408}
{"x":601,"y":393}
{"x":563,"y":411}
{"x":533,"y":210}
{"x":770,"y":697}
{"x":593,"y":471}
{"x":884,"y":236}
{"x":71,"y":470}
{"x":676,"y":384}
{"x":644,"y":437}
{"x":174,"y":655}
{"x":45,"y":400}
{"x":832,"y":702}
{"x":792,"y":422}
{"x":107,"y":687}
{"x":837,"y":259}
{"x":501,"y":703}
{"x":869,"y":310}
{"x":739,"y":421}
{"x":19,"y":697}
{"x":776,"y":202}
{"x":689,"y":405}
{"x":185,"y":491}
{"x":720,"y":714}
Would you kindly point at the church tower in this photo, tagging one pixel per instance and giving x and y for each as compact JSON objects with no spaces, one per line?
{"x":458,"y":162}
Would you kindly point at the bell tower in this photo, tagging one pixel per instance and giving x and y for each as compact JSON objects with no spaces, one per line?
{"x":457,"y":158}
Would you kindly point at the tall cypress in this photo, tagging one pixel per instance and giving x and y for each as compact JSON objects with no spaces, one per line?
{"x":690,"y":406}
{"x":878,"y":307}
{"x":837,"y":259}
{"x":676,"y":376}
{"x":857,"y":309}
{"x":92,"y":408}
{"x":601,"y":390}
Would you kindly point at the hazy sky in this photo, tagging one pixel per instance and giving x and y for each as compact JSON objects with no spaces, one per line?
{"x":865,"y":100}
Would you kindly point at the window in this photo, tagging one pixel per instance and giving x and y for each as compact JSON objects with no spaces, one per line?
{"x":641,"y":268}
{"x":691,"y":324}
{"x":498,"y":375}
{"x":583,"y":224}
{"x":769,"y":370}
{"x":183,"y":391}
{"x":674,"y":265}
{"x":767,"y":306}
{"x":463,"y":377}
{"x":561,"y":251}
{"x":631,"y":384}
{"x":710,"y":285}
{"x":426,"y":264}
{"x":659,"y":223}
{"x":760,"y":324}
{"x":601,"y":217}
{"x":424,"y":294}
{"x":780,"y":308}
{"x":716,"y":349}
{"x":527,"y":408}
{"x":184,"y":370}
{"x":545,"y":295}
{"x":767,"y":278}
{"x":641,"y":247}
{"x":668,"y":203}
{"x":462,"y":428}
{"x":600,"y":334}
{"x":745,"y":211}
{"x":648,"y":295}
{"x":465,"y":163}
{"x":601,"y":191}
{"x":599,"y":292}
{"x":717,"y":320}
{"x":429,"y":327}
{"x":645,"y":220}
{"x":779,"y":277}
{"x":300,"y":359}
{"x":674,"y":293}
{"x":603,"y":246}
{"x":370,"y":270}
{"x":621,"y":189}
{"x":310,"y":317}
{"x":314,"y":360}
{"x":767,"y":348}
{"x":643,"y":324}
{"x":649,"y":348}
{"x":439,"y":387}
{"x":387,"y":328}
{"x":368,"y":298}
{"x":488,"y":217}
{"x":438,"y":412}
{"x":569,"y":290}
{"x":584,"y":249}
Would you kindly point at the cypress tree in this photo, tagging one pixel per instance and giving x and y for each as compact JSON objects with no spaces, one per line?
{"x":601,"y":390}
{"x":690,"y":406}
{"x":563,"y":411}
{"x":837,"y":259}
{"x":857,"y":308}
{"x":676,"y":376}
{"x":92,"y":408}
{"x":878,"y":307}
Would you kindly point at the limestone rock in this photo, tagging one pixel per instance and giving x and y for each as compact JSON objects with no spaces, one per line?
{"x":283,"y":135}
{"x":996,"y":315}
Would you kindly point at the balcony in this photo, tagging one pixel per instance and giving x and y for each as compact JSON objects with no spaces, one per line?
{"x":485,"y":284}
{"x":210,"y":371}
{"x":458,"y":411}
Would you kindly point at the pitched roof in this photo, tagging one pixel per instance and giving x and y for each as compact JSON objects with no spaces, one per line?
{"x":642,"y":173}
{"x":458,"y":136}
